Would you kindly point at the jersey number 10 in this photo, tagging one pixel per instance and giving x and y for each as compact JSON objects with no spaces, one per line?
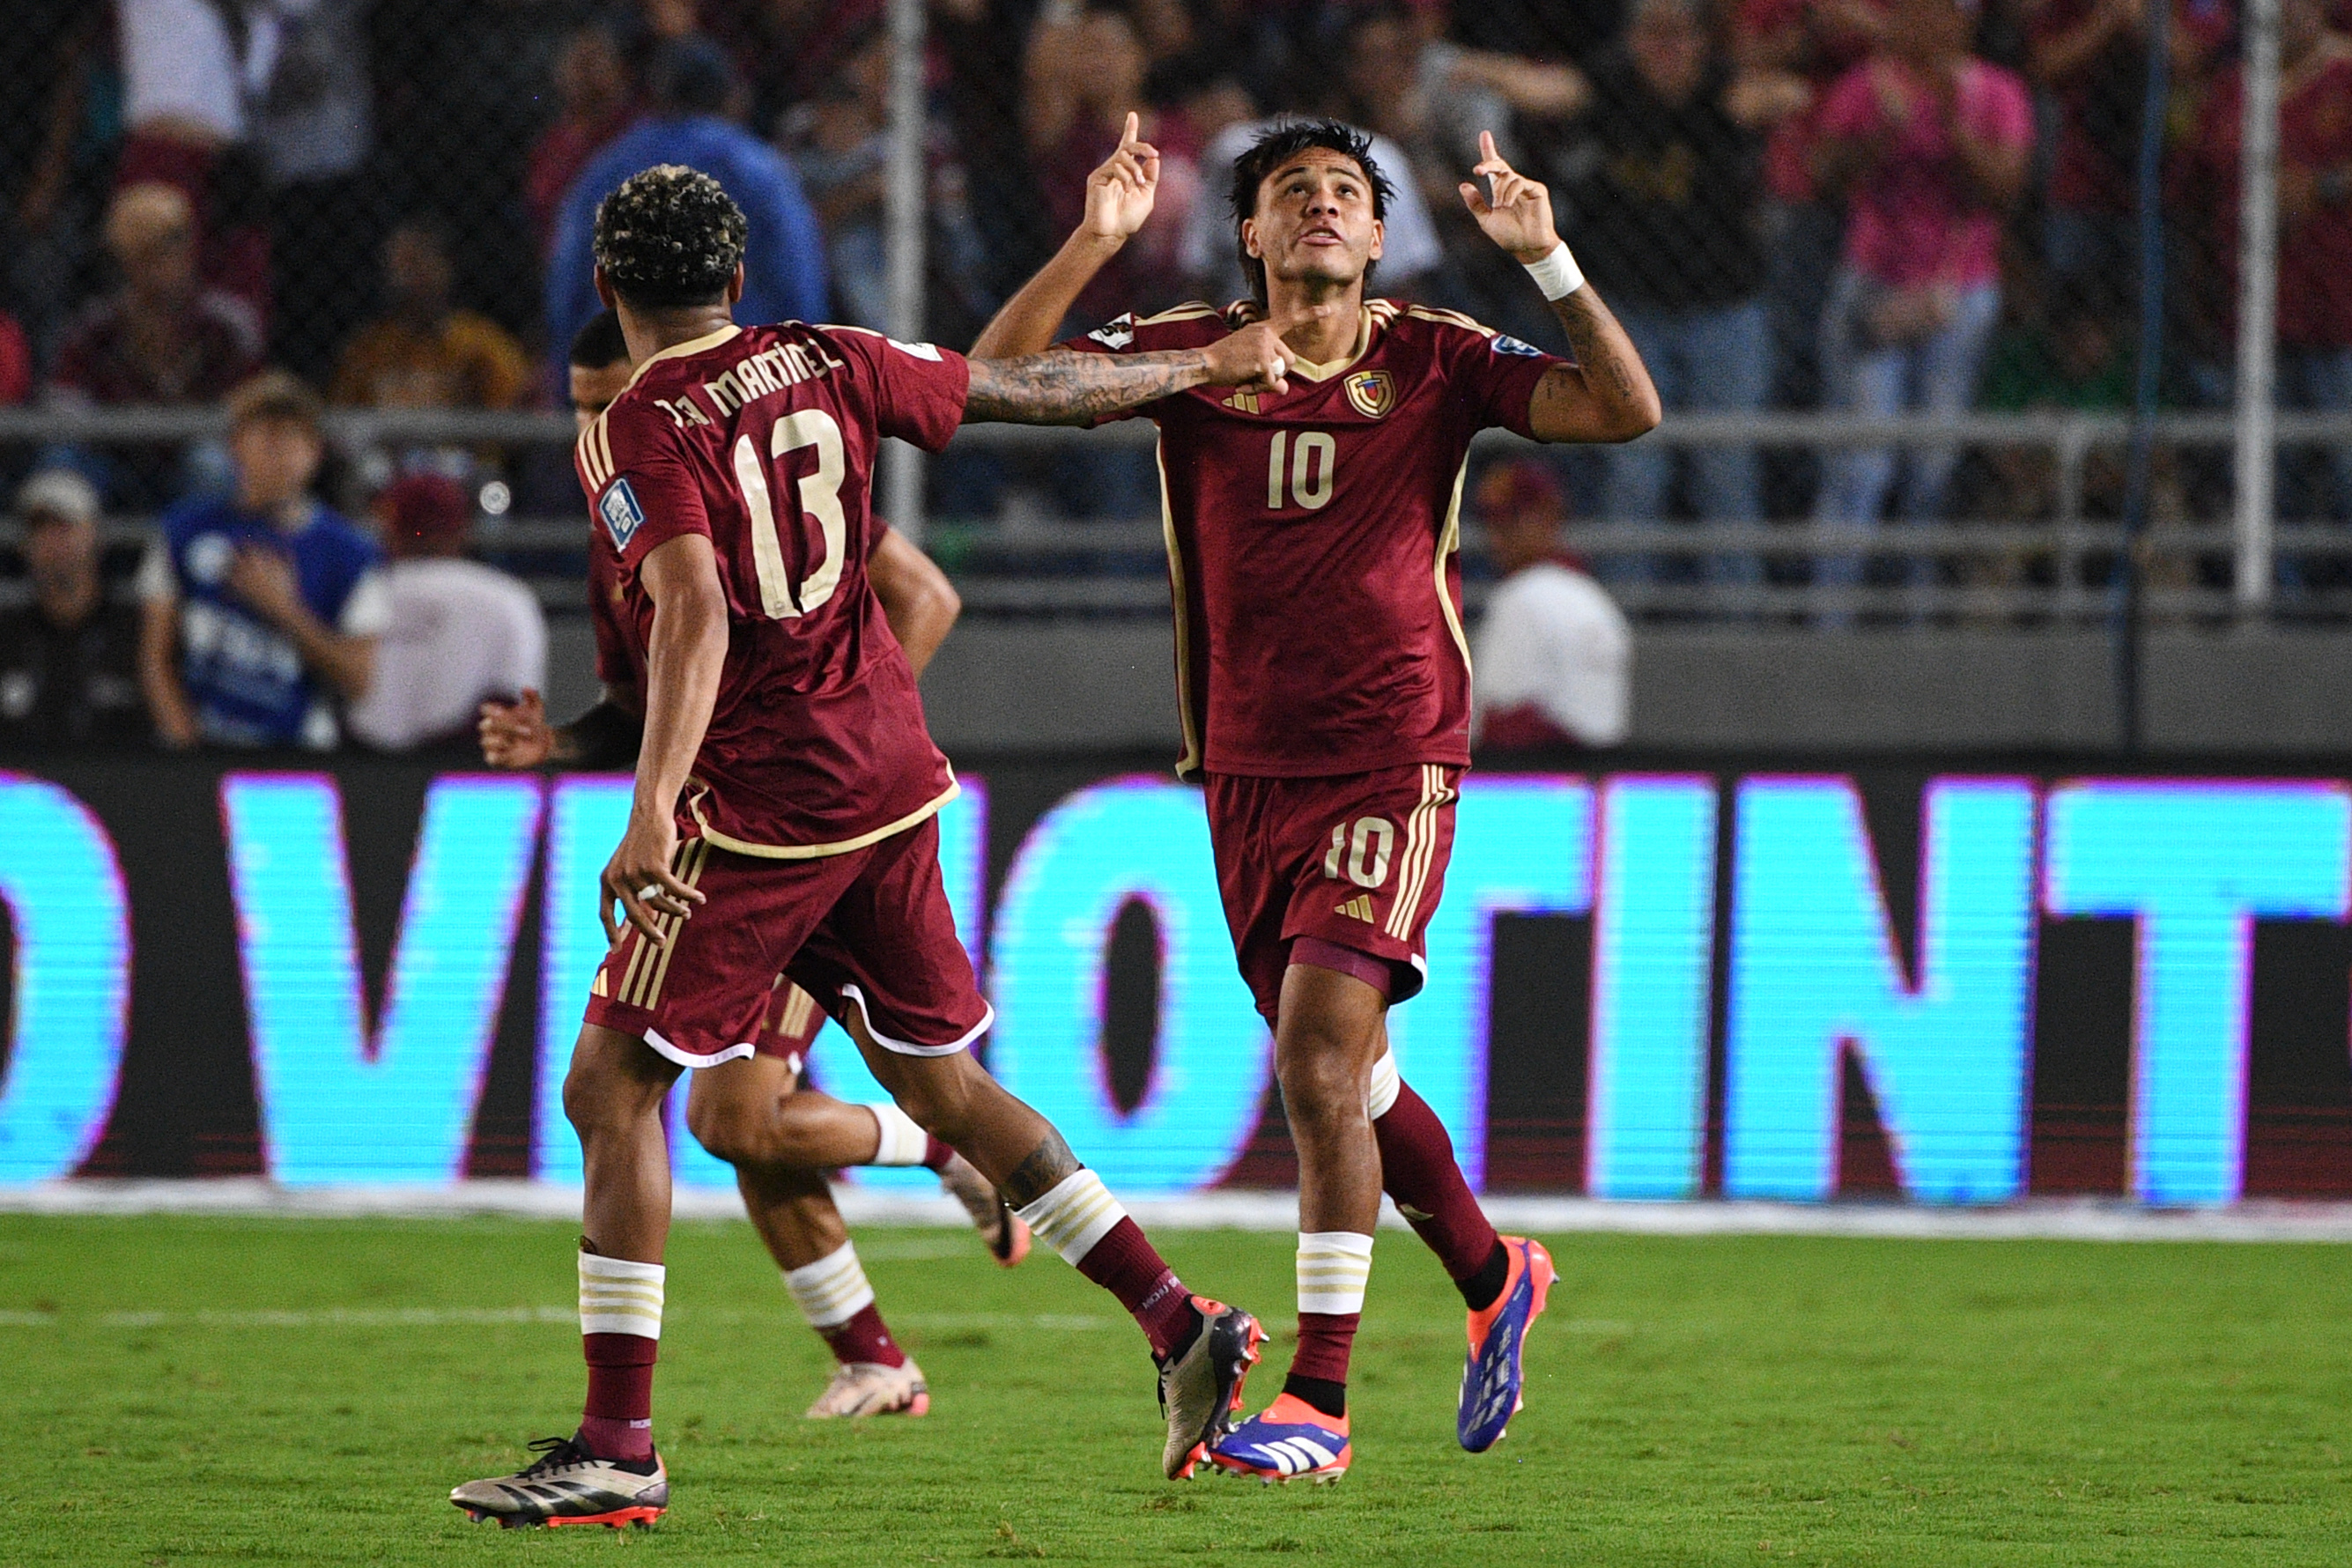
{"x":820,"y":498}
{"x":1314,"y":457}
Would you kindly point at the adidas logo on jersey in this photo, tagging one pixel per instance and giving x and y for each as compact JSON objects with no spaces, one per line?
{"x":1245,"y":402}
{"x":1357,"y":908}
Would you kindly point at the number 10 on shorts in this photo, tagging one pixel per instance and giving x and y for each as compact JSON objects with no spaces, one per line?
{"x":1363,"y":848}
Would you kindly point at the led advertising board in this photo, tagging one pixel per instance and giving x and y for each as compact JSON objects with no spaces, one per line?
{"x":1957,"y":986}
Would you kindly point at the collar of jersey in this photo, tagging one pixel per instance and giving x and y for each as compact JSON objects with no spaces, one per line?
{"x":1363,"y":345}
{"x":679,"y":351}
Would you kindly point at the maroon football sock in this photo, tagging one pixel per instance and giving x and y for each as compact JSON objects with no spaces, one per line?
{"x":1324,"y":1341}
{"x":864,"y":1337}
{"x":618,"y":1423}
{"x":1125,"y":1263}
{"x":1418,"y":1170}
{"x":935,"y":1154}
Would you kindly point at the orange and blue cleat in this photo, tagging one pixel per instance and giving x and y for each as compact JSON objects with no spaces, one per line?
{"x":1492,"y":1379}
{"x":1288,"y":1439}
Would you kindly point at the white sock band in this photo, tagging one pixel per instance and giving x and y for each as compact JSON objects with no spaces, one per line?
{"x":1557,"y":274}
{"x":1385,"y":1084}
{"x":1076,"y":1214}
{"x":832,"y":1291}
{"x":1333,"y":1265}
{"x":903,"y":1139}
{"x":618,"y":1297}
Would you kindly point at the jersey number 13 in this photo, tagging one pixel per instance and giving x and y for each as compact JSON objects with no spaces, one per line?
{"x":820,"y":499}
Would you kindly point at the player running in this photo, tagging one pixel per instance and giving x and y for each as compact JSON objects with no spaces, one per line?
{"x":784,"y":814}
{"x":748,"y":1112}
{"x":1324,"y":687}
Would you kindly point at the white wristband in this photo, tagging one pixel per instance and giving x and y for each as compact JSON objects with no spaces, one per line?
{"x":1557,"y":274}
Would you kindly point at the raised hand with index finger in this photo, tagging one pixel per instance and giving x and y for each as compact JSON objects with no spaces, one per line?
{"x":1120,"y":191}
{"x":1518,"y":217}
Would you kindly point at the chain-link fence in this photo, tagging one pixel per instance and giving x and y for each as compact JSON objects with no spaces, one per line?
{"x":1852,"y":209}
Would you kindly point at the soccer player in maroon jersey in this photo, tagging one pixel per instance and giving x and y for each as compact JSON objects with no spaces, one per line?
{"x":1324,"y":686}
{"x":755,"y":1113}
{"x":784,"y":814}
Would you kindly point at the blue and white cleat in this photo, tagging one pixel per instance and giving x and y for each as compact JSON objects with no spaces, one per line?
{"x":1492,"y":1379}
{"x":1288,"y":1439}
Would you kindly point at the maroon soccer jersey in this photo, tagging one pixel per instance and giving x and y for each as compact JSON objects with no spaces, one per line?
{"x":1311,"y":540}
{"x":763,"y":440}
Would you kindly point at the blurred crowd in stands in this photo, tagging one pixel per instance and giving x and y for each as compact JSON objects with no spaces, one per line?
{"x":1874,"y":205}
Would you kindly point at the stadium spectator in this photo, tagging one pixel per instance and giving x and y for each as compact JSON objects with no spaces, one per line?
{"x":1431,"y":98}
{"x":2314,"y":197}
{"x":1929,"y":144}
{"x":459,"y":632}
{"x":2091,"y":58}
{"x":1554,"y":658}
{"x":188,"y":69}
{"x":261,"y":609}
{"x":1663,"y":162}
{"x":696,"y":100}
{"x":163,"y":338}
{"x":69,"y":658}
{"x":597,"y":101}
{"x":1819,"y":41}
{"x":424,"y":353}
{"x":314,"y":124}
{"x":1082,"y":80}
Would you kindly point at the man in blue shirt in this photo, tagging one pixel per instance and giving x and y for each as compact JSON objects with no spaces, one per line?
{"x":262,"y":608}
{"x":695,"y":100}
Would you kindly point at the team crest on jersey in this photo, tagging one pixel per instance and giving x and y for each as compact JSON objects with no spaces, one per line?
{"x":1373,"y":393}
{"x":621,"y":514}
{"x":1506,"y":344}
{"x":1117,"y":333}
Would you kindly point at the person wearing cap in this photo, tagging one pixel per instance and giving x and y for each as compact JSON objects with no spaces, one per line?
{"x":69,"y":658}
{"x":263,"y":607}
{"x":695,"y":120}
{"x":1553,"y":657}
{"x":461,"y":632}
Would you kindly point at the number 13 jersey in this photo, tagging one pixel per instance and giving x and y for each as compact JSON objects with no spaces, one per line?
{"x":763,"y":440}
{"x":1312,"y":541}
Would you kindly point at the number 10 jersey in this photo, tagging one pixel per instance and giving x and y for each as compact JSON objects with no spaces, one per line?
{"x":763,"y":440}
{"x":1311,"y":540}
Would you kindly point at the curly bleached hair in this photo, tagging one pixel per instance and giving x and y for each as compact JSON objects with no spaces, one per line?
{"x":670,"y":236}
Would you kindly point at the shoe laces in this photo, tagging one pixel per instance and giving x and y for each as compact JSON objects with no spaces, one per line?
{"x":555,"y":1454}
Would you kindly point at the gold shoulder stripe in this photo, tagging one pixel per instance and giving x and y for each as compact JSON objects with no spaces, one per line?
{"x":1449,"y":318}
{"x":1386,"y":310}
{"x":1191,"y":311}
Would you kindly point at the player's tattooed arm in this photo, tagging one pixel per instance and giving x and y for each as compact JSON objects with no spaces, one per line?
{"x":1606,"y":396}
{"x":1047,"y":1166}
{"x":1062,"y":387}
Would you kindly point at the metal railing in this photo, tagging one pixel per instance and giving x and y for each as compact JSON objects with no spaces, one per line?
{"x":2051,"y":571}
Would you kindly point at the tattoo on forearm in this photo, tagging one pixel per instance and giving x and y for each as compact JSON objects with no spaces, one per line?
{"x":1581,"y":315}
{"x":1065,"y":387}
{"x":1048,"y":1165}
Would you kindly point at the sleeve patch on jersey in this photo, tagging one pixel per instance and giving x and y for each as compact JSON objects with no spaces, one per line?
{"x":1117,"y":333}
{"x":1506,"y":344}
{"x":621,"y":514}
{"x":919,"y":351}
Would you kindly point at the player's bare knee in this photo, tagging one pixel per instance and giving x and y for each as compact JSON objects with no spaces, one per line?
{"x":1320,"y":1088}
{"x":722,"y":1130}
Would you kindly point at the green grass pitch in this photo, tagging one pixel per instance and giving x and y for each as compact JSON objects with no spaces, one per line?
{"x":185,"y":1392}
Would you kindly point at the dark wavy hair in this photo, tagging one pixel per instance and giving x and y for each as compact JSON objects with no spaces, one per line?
{"x":670,"y":236}
{"x":1270,"y":151}
{"x":598,"y":345}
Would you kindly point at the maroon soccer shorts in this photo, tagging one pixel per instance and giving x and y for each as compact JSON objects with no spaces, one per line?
{"x":1357,"y":861}
{"x":868,"y":931}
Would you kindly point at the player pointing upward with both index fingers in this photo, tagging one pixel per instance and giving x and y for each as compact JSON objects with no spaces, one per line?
{"x":1324,"y":684}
